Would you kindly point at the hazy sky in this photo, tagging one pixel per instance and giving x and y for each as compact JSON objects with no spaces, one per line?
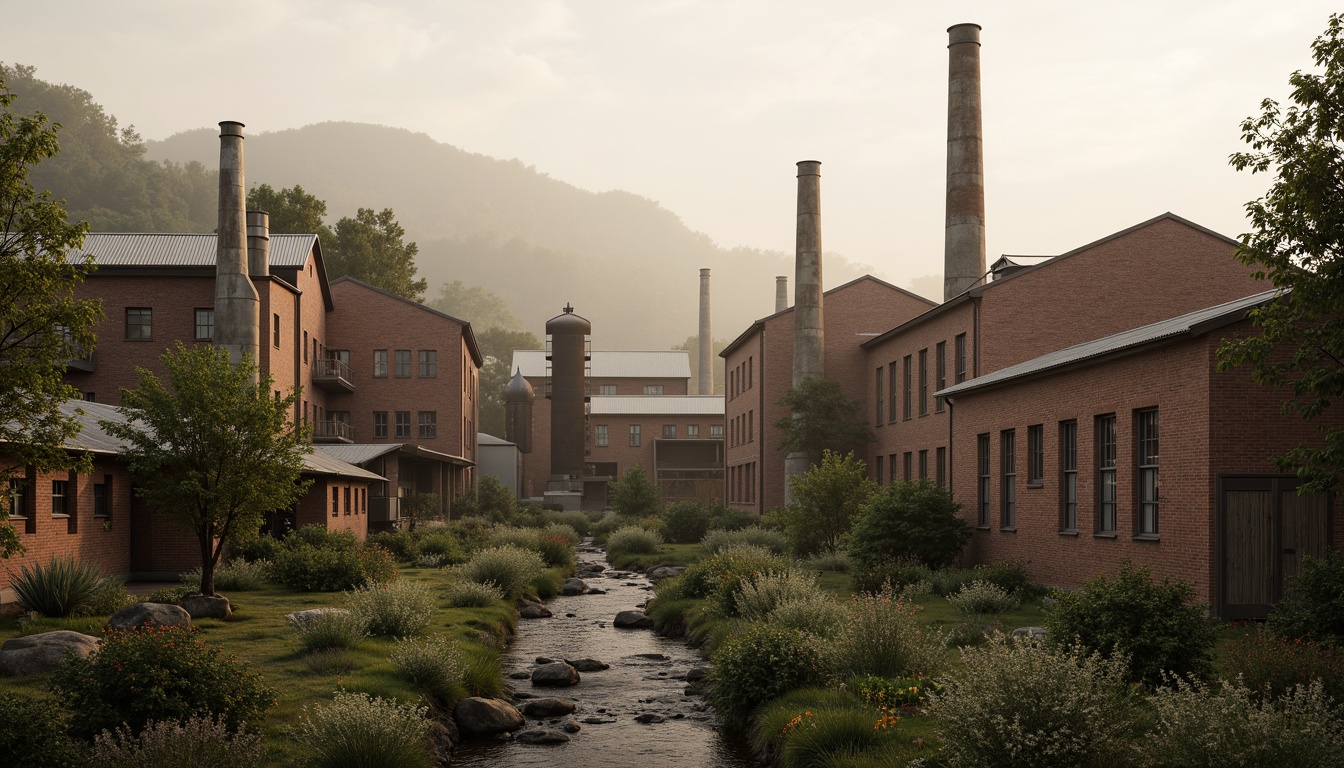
{"x":1097,"y":115}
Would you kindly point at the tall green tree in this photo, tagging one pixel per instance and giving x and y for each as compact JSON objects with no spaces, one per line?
{"x":1298,"y":245}
{"x":210,"y":449}
{"x":42,"y":324}
{"x":827,"y":420}
{"x":293,"y":211}
{"x":634,"y":494}
{"x":370,"y":247}
{"x":826,"y":501}
{"x":480,"y":307}
{"x":497,"y":346}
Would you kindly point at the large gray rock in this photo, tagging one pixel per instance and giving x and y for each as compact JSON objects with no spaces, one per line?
{"x":541,"y":736}
{"x":534,"y":611}
{"x":476,"y":716}
{"x":207,"y":606}
{"x":1039,"y":634}
{"x":658,"y":573}
{"x":140,"y":614}
{"x":555,"y":675}
{"x":41,"y":653}
{"x":573,"y":587}
{"x":588,"y":665}
{"x":548,"y":707}
{"x":632,"y":620}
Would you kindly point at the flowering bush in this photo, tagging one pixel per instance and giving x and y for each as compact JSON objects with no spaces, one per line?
{"x":893,"y":693}
{"x":554,"y":548}
{"x":1025,"y":704}
{"x":758,"y":596}
{"x":882,"y":637}
{"x":158,"y":673}
{"x":205,"y":739}
{"x":396,"y":609}
{"x":509,"y":568}
{"x":760,"y":663}
{"x":752,"y":536}
{"x":469,"y":594}
{"x":980,"y":598}
{"x":819,"y":614}
{"x":444,"y":546}
{"x":633,"y":540}
{"x":330,"y":629}
{"x":355,"y":729}
{"x":1268,"y":662}
{"x":719,"y":576}
{"x":434,"y":665}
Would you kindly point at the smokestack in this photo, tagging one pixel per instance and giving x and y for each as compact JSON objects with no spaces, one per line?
{"x":808,"y":336}
{"x":705,"y":383}
{"x":964,"y":246}
{"x":258,"y":243}
{"x":237,"y":310}
{"x":781,"y":293}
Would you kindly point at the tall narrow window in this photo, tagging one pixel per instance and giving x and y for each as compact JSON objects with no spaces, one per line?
{"x":601,"y":436}
{"x":877,"y":401}
{"x":275,"y":331}
{"x":139,"y":323}
{"x":924,"y":465}
{"x":961,"y":357}
{"x":1106,"y":487}
{"x":907,"y":469}
{"x":429,"y":424}
{"x":1146,"y":439}
{"x":380,"y":423}
{"x":100,"y":507}
{"x":205,"y":324}
{"x":982,"y":462}
{"x":429,"y":363}
{"x":634,"y":435}
{"x":335,"y":501}
{"x":1008,"y":457}
{"x":60,"y":493}
{"x":403,"y":423}
{"x":402,"y":364}
{"x":380,"y":363}
{"x":906,"y":375}
{"x":891,"y":465}
{"x":1068,"y":480}
{"x":891,"y":395}
{"x":923,"y":382}
{"x":877,"y":472}
{"x":940,"y":466}
{"x":1036,"y":455}
{"x":939,"y":372}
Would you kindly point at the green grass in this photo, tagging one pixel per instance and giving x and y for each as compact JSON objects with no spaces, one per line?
{"x":259,"y":634}
{"x":668,"y":554}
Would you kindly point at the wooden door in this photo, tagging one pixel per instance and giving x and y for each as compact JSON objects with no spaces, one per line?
{"x":1265,"y":531}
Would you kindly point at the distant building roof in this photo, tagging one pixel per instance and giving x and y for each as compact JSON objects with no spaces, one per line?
{"x":136,"y":249}
{"x":1191,"y":324}
{"x":359,"y":453}
{"x":484,"y":439}
{"x":316,"y":462}
{"x":656,"y":405}
{"x":671,"y":364}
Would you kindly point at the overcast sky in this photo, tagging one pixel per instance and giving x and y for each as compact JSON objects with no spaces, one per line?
{"x":1097,"y":115}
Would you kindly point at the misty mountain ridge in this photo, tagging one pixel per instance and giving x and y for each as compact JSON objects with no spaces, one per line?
{"x":624,"y":262}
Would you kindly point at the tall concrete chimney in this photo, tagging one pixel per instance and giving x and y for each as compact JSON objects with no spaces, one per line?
{"x":258,"y":243}
{"x":237,"y":309}
{"x":705,"y":382}
{"x":808,"y":336}
{"x":781,"y":293}
{"x":964,"y":246}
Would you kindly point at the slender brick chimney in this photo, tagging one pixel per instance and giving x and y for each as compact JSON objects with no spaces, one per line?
{"x":705,"y":381}
{"x":964,"y":244}
{"x":808,"y":334}
{"x":781,"y":293}
{"x":237,"y":309}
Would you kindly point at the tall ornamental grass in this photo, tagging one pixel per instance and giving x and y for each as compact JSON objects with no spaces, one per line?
{"x":355,"y":729}
{"x":510,"y":568}
{"x":434,"y":665}
{"x":58,"y":589}
{"x":883,"y":637}
{"x":392,"y":609}
{"x":201,"y":742}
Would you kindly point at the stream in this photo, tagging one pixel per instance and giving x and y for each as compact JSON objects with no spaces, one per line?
{"x":647,"y":676}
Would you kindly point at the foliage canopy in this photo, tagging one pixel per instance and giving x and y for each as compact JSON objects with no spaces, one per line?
{"x":824,"y":418}
{"x":370,"y":247}
{"x":634,"y":495}
{"x":916,"y":520}
{"x":826,"y":501}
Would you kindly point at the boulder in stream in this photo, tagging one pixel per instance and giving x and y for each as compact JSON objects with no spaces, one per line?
{"x":477,"y":716}
{"x":660,"y":572}
{"x":541,"y":736}
{"x":632,"y":620}
{"x":534,"y":611}
{"x":587,"y":665}
{"x":548,"y":707}
{"x":555,"y":675}
{"x":573,"y":587}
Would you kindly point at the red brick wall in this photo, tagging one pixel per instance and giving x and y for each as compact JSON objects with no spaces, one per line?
{"x":316,"y":507}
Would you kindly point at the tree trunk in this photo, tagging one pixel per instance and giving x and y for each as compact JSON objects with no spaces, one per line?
{"x":207,"y":565}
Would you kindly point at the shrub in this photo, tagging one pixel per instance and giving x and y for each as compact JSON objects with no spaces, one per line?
{"x":1157,"y":625}
{"x":891,"y":692}
{"x":169,"y":595}
{"x":824,"y":734}
{"x":825,"y":501}
{"x":883,"y":637}
{"x":1202,"y":726}
{"x":482,"y":671}
{"x":394,"y":609}
{"x":354,"y":729}
{"x":233,"y":576}
{"x":401,"y":544}
{"x":32,"y":733}
{"x":837,"y":562}
{"x":469,"y":594}
{"x":898,"y":573}
{"x":165,"y":744}
{"x":1025,"y":704}
{"x":442,"y":545}
{"x":472,"y":532}
{"x":1269,"y":663}
{"x":330,"y":629}
{"x":760,"y":663}
{"x":685,"y":522}
{"x":609,"y":523}
{"x":718,"y":576}
{"x":722,"y":518}
{"x":819,"y":614}
{"x":548,"y":583}
{"x":1313,"y":608}
{"x":633,"y":540}
{"x":758,"y":596}
{"x":158,"y":673}
{"x":555,"y":551}
{"x":753,"y":536}
{"x":433,"y":665}
{"x":633,"y":494}
{"x":1009,"y":575}
{"x":578,"y":521}
{"x":510,"y":568}
{"x":314,"y":559}
{"x":255,"y":548}
{"x":980,"y":598}
{"x":562,"y":531}
{"x":59,"y":589}
{"x":110,"y":596}
{"x":916,"y":520}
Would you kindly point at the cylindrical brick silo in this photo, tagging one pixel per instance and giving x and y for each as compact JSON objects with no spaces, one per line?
{"x":518,"y":399}
{"x":568,"y":354}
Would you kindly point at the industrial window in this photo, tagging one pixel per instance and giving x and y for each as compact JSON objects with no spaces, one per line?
{"x":907,"y":470}
{"x":60,"y":492}
{"x":335,"y":502}
{"x":692,"y":430}
{"x":982,"y":462}
{"x":1146,"y":440}
{"x":939,"y":372}
{"x":1008,"y":458}
{"x":601,"y":437}
{"x":751,"y":426}
{"x":906,"y":410}
{"x":924,"y":465}
{"x":205,"y":324}
{"x":403,"y":424}
{"x":429,"y":424}
{"x":940,"y":466}
{"x":606,"y":389}
{"x":1106,"y":487}
{"x":139,"y":323}
{"x":1036,"y":455}
{"x":305,"y":346}
{"x":891,"y":467}
{"x":634,"y":435}
{"x":100,"y":508}
{"x":653,"y":389}
{"x":348,"y":505}
{"x":923,"y":382}
{"x":429,"y":363}
{"x":90,"y":397}
{"x":380,"y":363}
{"x":891,"y":393}
{"x":751,"y":376}
{"x":716,"y":430}
{"x":275,"y":330}
{"x":17,"y":506}
{"x":877,"y":401}
{"x":669,"y":430}
{"x":402,"y":364}
{"x":960,"y":352}
{"x":1068,"y":481}
{"x":877,"y":472}
{"x":380,"y":423}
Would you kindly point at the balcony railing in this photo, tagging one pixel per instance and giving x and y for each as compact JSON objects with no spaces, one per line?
{"x":333,"y":432}
{"x":332,"y":375}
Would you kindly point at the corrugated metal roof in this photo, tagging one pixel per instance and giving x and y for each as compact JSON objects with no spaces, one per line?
{"x":357,"y":454}
{"x":1192,"y":323}
{"x":133,"y":249}
{"x":614,"y":365}
{"x":318,"y":463}
{"x":656,"y":405}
